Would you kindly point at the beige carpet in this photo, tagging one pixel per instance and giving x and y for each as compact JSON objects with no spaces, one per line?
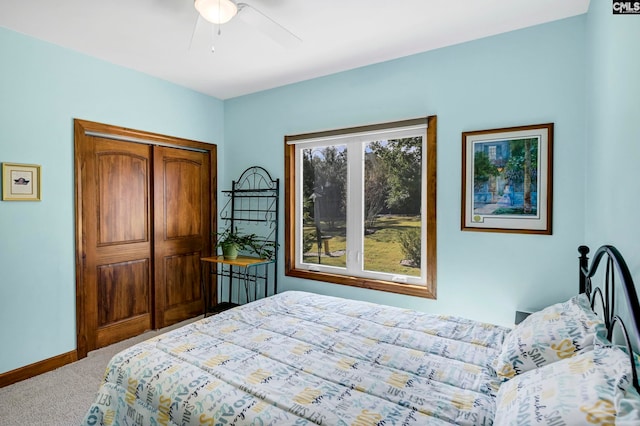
{"x":61,"y":397}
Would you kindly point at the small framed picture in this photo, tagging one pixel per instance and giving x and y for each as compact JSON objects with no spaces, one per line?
{"x":507,"y":179}
{"x":20,"y":182}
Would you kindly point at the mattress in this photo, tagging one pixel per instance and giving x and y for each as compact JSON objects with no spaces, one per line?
{"x":298,"y":358}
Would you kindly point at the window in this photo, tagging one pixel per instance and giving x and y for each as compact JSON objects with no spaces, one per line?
{"x":360,"y":206}
{"x":492,"y":152}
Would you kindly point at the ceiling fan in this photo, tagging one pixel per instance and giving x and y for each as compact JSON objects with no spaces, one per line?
{"x":220,"y":12}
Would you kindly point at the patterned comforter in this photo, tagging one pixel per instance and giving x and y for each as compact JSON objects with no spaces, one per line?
{"x":299,"y":359}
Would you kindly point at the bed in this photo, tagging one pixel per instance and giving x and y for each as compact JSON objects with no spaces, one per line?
{"x":298,"y":358}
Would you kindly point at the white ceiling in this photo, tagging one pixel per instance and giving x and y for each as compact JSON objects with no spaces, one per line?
{"x":154,"y":36}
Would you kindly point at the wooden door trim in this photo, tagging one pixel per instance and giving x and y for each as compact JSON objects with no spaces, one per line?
{"x":82,"y":129}
{"x":139,"y":136}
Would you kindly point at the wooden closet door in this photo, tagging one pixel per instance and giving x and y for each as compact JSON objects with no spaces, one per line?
{"x":182,"y":210}
{"x":143,"y":220}
{"x":116,"y":223}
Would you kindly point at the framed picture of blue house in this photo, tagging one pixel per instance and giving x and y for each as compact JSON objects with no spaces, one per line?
{"x":507,"y":179}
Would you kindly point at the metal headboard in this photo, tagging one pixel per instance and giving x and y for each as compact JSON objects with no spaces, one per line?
{"x":616,"y":270}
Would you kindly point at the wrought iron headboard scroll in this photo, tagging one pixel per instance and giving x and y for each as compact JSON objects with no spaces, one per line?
{"x":615,"y":269}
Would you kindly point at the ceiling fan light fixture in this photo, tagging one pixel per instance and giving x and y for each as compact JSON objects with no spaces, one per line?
{"x":216,"y":11}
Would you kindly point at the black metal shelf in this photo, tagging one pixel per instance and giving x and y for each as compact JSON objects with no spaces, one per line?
{"x":252,"y":203}
{"x":247,"y":220}
{"x":250,"y":193}
{"x":256,"y":210}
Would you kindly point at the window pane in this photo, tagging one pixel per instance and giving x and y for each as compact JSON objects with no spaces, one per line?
{"x":393,"y":199}
{"x":324,"y":205}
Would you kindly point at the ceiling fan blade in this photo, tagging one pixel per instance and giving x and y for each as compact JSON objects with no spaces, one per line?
{"x":193,"y":32}
{"x":200,"y":20}
{"x":268,"y":26}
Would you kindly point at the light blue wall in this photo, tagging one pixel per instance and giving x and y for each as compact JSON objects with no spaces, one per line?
{"x":524,"y":77}
{"x":42,"y":89}
{"x":613,"y":160}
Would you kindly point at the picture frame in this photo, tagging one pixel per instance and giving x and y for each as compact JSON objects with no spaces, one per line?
{"x":507,"y":179}
{"x":20,"y":182}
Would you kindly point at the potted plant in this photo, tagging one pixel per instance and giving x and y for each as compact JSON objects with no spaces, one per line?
{"x":231,"y":242}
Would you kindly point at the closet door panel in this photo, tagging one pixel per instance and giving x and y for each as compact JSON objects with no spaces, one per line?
{"x":182,"y":231}
{"x":182,"y":198}
{"x":117,"y":272}
{"x":116,"y":282}
{"x":180,"y":273}
{"x":122,"y":176}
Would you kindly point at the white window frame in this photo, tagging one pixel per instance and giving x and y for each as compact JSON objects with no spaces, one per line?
{"x":355,"y":193}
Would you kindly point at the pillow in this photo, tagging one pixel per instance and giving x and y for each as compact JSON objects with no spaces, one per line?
{"x":589,"y":388}
{"x":556,"y":332}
